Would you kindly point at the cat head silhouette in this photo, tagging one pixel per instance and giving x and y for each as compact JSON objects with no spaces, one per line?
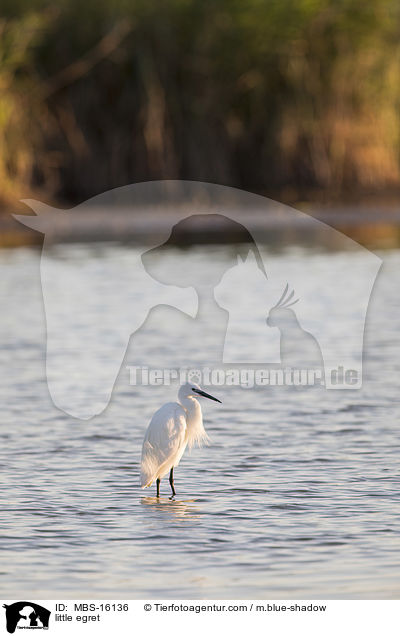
{"x":241,"y":281}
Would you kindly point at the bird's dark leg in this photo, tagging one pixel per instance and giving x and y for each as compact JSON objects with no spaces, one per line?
{"x":171,"y":481}
{"x":158,"y":487}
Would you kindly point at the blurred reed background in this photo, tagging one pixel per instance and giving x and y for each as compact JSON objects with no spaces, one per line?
{"x":296,"y":99}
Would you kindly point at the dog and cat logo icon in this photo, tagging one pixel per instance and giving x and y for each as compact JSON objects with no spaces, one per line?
{"x":261,"y":302}
{"x":26,"y":615}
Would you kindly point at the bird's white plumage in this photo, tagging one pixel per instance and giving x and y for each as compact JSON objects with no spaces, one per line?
{"x":164,"y":443}
{"x":173,"y":427}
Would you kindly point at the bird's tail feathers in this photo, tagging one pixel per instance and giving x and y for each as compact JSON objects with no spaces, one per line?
{"x":148,"y":466}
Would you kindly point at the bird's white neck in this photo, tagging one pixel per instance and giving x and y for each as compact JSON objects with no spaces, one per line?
{"x":189,"y":403}
{"x":194,"y":421}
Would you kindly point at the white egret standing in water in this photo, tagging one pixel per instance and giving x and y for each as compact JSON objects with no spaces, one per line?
{"x":173,"y":427}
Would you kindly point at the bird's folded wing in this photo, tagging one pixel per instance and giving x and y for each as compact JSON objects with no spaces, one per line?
{"x":163,"y":440}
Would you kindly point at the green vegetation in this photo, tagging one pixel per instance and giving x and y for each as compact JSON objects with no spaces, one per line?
{"x":270,"y":95}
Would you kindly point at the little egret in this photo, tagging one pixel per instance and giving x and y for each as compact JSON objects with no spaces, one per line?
{"x":173,"y":427}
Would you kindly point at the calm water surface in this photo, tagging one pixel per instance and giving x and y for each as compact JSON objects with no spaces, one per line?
{"x":296,"y":497}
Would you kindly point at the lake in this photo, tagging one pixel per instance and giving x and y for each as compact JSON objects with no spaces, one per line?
{"x":297,"y":496}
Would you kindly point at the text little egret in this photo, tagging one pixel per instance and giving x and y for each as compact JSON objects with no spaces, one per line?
{"x":173,"y":427}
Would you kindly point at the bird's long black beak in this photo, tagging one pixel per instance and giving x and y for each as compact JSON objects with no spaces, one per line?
{"x":204,"y":394}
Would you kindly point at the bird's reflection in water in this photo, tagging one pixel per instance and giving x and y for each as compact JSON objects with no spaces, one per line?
{"x":173,"y":507}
